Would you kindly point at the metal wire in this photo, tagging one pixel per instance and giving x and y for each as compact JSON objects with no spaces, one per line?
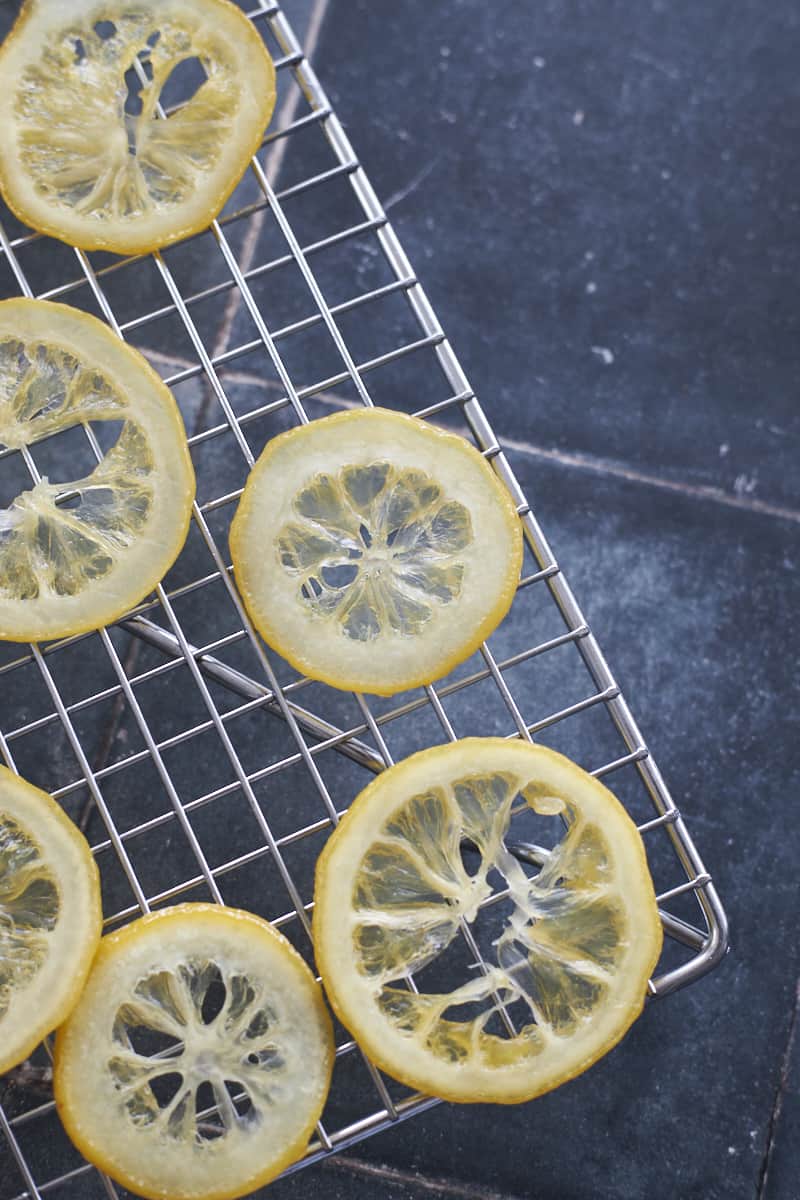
{"x":254,"y":687}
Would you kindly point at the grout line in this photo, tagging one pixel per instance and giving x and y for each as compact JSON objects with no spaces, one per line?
{"x":452,"y":1188}
{"x":583,"y":462}
{"x":780,"y":1092}
{"x":698,"y":491}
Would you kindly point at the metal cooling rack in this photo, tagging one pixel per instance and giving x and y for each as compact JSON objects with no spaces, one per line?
{"x":225,"y":677}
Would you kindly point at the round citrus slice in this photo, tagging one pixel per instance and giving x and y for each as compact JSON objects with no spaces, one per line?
{"x":76,"y":554}
{"x":84,"y":154}
{"x":565,"y":972}
{"x":199,"y":1057}
{"x":50,"y":917}
{"x":373,"y":551}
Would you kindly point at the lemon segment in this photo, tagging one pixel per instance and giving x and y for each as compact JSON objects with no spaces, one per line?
{"x":83,"y":153}
{"x":50,"y":917}
{"x":199,"y":1057}
{"x":77,"y":554}
{"x":567,"y":974}
{"x":373,"y":551}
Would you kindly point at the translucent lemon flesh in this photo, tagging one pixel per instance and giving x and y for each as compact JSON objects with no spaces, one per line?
{"x":565,"y":976}
{"x":199,"y":1057}
{"x":84,"y":153}
{"x":373,"y":551}
{"x":77,"y":553}
{"x":49,"y":916}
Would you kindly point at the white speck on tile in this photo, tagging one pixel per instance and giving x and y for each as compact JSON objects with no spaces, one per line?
{"x":604,"y":353}
{"x":666,"y":173}
{"x":589,"y":256}
{"x":745,"y":485}
{"x":731,"y":1150}
{"x":539,"y":62}
{"x":591,"y":287}
{"x":444,"y":51}
{"x":724,"y":449}
{"x":578,"y":116}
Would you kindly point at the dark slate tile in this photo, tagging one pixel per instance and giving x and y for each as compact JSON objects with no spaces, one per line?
{"x":784,"y":1164}
{"x":683,"y":598}
{"x":600,"y":202}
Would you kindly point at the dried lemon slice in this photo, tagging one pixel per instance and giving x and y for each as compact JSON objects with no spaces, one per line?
{"x":76,"y":554}
{"x":83,"y":154}
{"x":50,"y":916}
{"x":373,"y":551}
{"x":568,"y":969}
{"x":199,"y":1057}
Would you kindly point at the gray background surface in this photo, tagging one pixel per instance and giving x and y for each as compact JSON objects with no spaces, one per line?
{"x":601,"y":200}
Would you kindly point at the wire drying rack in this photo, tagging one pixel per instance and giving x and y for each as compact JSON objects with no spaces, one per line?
{"x":200,"y":765}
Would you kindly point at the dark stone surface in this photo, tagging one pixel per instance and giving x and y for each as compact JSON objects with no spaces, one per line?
{"x":526,"y":154}
{"x":588,"y":174}
{"x":784,"y":1166}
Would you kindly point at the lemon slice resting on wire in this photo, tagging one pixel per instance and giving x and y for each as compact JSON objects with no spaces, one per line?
{"x":50,"y":917}
{"x":85,"y":155}
{"x":566,"y":972}
{"x":77,"y":553}
{"x":199,"y":1057}
{"x":373,"y":551}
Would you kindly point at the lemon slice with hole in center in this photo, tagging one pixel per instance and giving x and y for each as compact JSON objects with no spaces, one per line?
{"x":373,"y":551}
{"x":566,"y":971}
{"x":199,"y":1057}
{"x":84,"y":155}
{"x":50,"y":917}
{"x":76,"y":554}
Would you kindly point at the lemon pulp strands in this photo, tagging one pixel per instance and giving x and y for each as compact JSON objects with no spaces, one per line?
{"x":373,"y":551}
{"x":76,"y":554}
{"x":50,"y":917}
{"x":85,"y":155}
{"x":199,"y":1057}
{"x":567,"y":973}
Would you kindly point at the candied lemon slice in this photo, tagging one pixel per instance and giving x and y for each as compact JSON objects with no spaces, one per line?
{"x":199,"y":1057}
{"x":84,"y":155}
{"x":76,"y":554}
{"x":565,"y":975}
{"x":50,"y":917}
{"x":373,"y":551}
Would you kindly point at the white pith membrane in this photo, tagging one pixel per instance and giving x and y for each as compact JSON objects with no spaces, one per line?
{"x":49,"y":915}
{"x":568,"y":943}
{"x":78,"y":552}
{"x":375,"y":548}
{"x":374,"y":551}
{"x":210,"y":1056}
{"x":84,"y":142}
{"x":48,"y":546}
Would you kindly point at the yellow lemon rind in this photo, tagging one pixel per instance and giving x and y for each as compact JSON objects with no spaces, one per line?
{"x":75,"y":233}
{"x":116,"y":943}
{"x":38,"y":808}
{"x":131,"y":370}
{"x":510,"y":1085}
{"x":294,"y":655}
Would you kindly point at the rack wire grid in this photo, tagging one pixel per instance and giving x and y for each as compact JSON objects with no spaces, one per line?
{"x":199,"y":764}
